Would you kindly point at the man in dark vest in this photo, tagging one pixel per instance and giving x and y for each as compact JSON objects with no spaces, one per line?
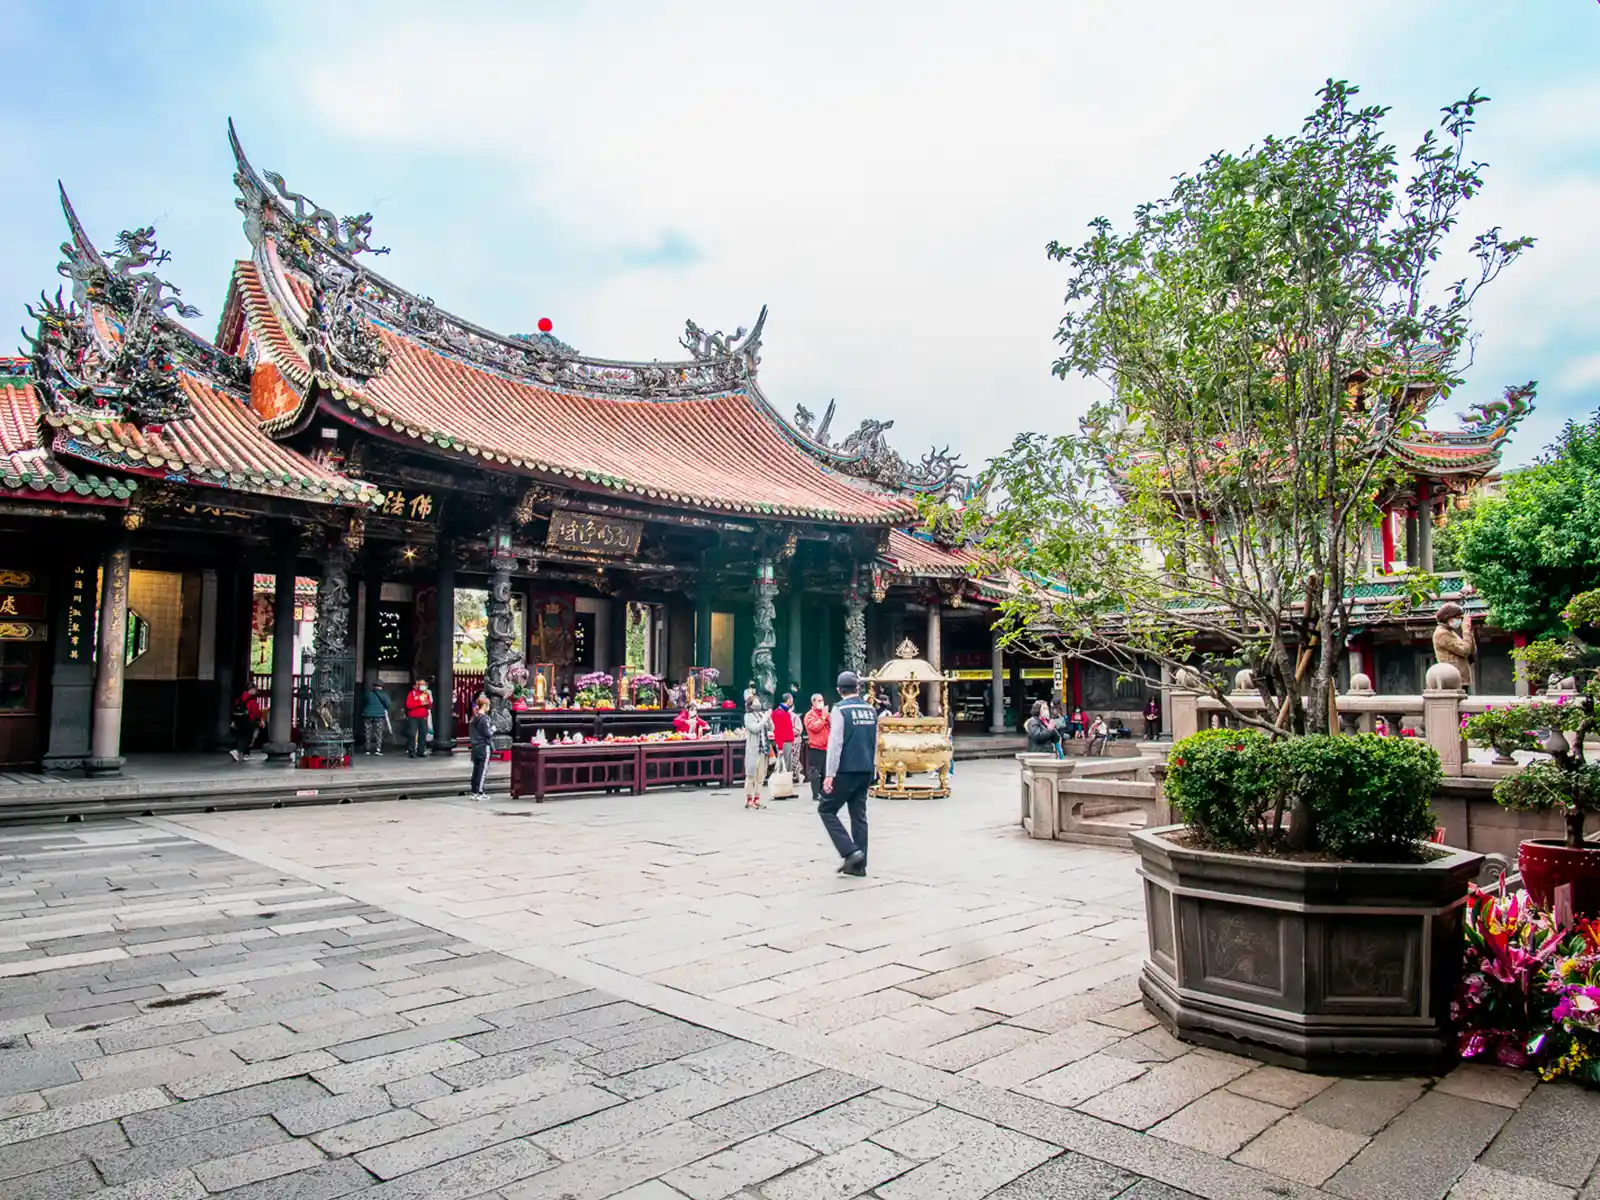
{"x":852,"y":759}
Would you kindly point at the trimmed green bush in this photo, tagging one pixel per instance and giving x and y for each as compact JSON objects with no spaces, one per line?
{"x":1369,"y":797}
{"x":1366,"y":798}
{"x":1226,"y":782}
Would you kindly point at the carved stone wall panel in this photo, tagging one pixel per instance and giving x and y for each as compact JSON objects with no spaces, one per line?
{"x":1366,"y":963}
{"x":1239,"y":946}
{"x":1163,"y":933}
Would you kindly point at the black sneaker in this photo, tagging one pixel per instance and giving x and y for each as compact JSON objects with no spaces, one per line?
{"x":855,"y":864}
{"x":859,"y":871}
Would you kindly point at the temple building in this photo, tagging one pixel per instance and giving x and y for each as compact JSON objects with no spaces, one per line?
{"x":307,"y":501}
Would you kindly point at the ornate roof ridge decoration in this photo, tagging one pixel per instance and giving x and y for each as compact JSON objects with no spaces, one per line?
{"x":866,"y":454}
{"x":27,"y":468}
{"x":324,"y":248}
{"x":114,"y":350}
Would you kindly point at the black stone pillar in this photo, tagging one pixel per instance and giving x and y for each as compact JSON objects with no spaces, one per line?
{"x":762,"y":670}
{"x":105,"y":725}
{"x":72,"y":672}
{"x":499,"y":652}
{"x":280,"y":713}
{"x":328,"y":736}
{"x":226,"y":657}
{"x":444,"y":608}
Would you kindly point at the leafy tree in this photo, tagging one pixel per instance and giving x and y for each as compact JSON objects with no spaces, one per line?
{"x":1266,"y":332}
{"x":1532,"y":549}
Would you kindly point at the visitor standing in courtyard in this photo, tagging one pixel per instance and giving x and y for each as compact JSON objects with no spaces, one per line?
{"x":816,"y":724}
{"x":419,"y":705}
{"x":757,"y":747}
{"x":481,"y":734}
{"x":852,"y":759}
{"x":375,"y":717}
{"x":1042,"y":735}
{"x":1152,"y":720}
{"x":249,"y":722}
{"x":785,"y":736}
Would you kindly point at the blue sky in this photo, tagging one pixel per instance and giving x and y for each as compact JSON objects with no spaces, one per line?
{"x":885,"y":176}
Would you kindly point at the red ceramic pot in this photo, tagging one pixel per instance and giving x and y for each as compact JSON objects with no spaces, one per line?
{"x":1547,"y":863}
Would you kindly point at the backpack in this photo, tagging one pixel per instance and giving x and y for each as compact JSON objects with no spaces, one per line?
{"x":241,"y":712}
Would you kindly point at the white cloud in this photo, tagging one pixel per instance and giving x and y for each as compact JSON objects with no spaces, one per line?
{"x":885,"y":176}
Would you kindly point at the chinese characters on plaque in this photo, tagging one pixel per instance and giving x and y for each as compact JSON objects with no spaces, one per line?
{"x":406,"y":506}
{"x":592,"y":535}
{"x":22,"y":608}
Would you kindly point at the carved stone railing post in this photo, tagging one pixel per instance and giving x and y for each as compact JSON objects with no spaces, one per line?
{"x":500,"y":657}
{"x":1441,"y":713}
{"x":762,"y":669}
{"x":1184,"y":707}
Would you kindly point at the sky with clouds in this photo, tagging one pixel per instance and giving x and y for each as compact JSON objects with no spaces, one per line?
{"x":884,"y":175}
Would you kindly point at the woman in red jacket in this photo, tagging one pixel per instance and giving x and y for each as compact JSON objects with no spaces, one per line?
{"x":419,"y":704}
{"x":816,"y":723}
{"x":784,"y":731}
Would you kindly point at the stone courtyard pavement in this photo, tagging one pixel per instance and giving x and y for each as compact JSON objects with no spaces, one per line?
{"x":661,"y":997}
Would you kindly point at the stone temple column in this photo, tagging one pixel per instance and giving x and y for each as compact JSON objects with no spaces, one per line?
{"x":935,"y":654}
{"x":795,"y":635}
{"x":333,"y":682}
{"x":280,"y":713}
{"x":762,"y":669}
{"x":855,"y":632}
{"x":444,"y":608}
{"x":105,"y":736}
{"x":500,"y":654}
{"x":997,"y":681}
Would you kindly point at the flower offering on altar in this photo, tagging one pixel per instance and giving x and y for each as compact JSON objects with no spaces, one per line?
{"x":595,"y":690}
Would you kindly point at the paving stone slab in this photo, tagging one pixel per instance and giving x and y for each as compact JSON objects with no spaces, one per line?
{"x":1068,"y":1176}
{"x":173,"y":1154}
{"x":1486,"y":1183}
{"x":722,"y":1174}
{"x":856,"y":1119}
{"x":253,"y":1166}
{"x":1300,"y":1149}
{"x":622,"y":1167}
{"x":326,"y":1181}
{"x":850,"y":1172}
{"x":1362,"y":1105}
{"x":1423,"y":1151}
{"x":764,"y":1112}
{"x":1554,"y":1136}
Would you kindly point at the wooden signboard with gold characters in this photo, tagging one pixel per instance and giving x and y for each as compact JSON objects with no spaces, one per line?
{"x":22,"y":607}
{"x":588,"y":534}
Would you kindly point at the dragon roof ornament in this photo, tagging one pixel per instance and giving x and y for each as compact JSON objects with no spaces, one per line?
{"x":324,"y":249}
{"x":866,"y":454}
{"x":113,"y":350}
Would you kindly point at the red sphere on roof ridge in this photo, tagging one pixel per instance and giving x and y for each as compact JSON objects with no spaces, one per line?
{"x":546,"y":324}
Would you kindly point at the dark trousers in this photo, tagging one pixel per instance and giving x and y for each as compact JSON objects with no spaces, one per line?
{"x":417,"y":733}
{"x":480,"y":768}
{"x":816,"y":764}
{"x":849,"y":791}
{"x":245,"y":737}
{"x":1152,"y":728}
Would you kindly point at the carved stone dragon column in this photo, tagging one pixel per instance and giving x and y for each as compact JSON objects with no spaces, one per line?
{"x":855,"y":631}
{"x":766,"y":614}
{"x":332,"y":679}
{"x":501,"y":657}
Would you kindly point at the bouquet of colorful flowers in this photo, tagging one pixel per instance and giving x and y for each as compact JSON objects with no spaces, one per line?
{"x":706,"y":690}
{"x":1530,"y":993}
{"x":646,"y":690}
{"x":594,"y":690}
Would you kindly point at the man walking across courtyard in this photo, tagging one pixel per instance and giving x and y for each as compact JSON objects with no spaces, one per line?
{"x":852,"y":757}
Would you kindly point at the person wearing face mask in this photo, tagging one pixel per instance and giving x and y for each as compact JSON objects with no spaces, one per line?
{"x":817,"y":723}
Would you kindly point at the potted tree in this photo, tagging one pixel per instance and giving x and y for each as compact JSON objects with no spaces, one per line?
{"x":1269,"y":337}
{"x":1566,"y":783}
{"x":1337,"y":949}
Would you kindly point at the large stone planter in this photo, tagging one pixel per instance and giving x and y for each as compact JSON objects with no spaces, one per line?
{"x":1338,"y":967}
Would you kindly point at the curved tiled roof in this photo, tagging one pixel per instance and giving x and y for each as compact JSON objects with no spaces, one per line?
{"x":717,"y":452}
{"x":724,"y":452}
{"x":909,"y":554}
{"x":220,"y":444}
{"x":25,"y":462}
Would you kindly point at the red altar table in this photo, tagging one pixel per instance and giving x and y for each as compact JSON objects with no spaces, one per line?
{"x":557,"y":767}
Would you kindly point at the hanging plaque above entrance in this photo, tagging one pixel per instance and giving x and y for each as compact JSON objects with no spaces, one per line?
{"x":589,"y":534}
